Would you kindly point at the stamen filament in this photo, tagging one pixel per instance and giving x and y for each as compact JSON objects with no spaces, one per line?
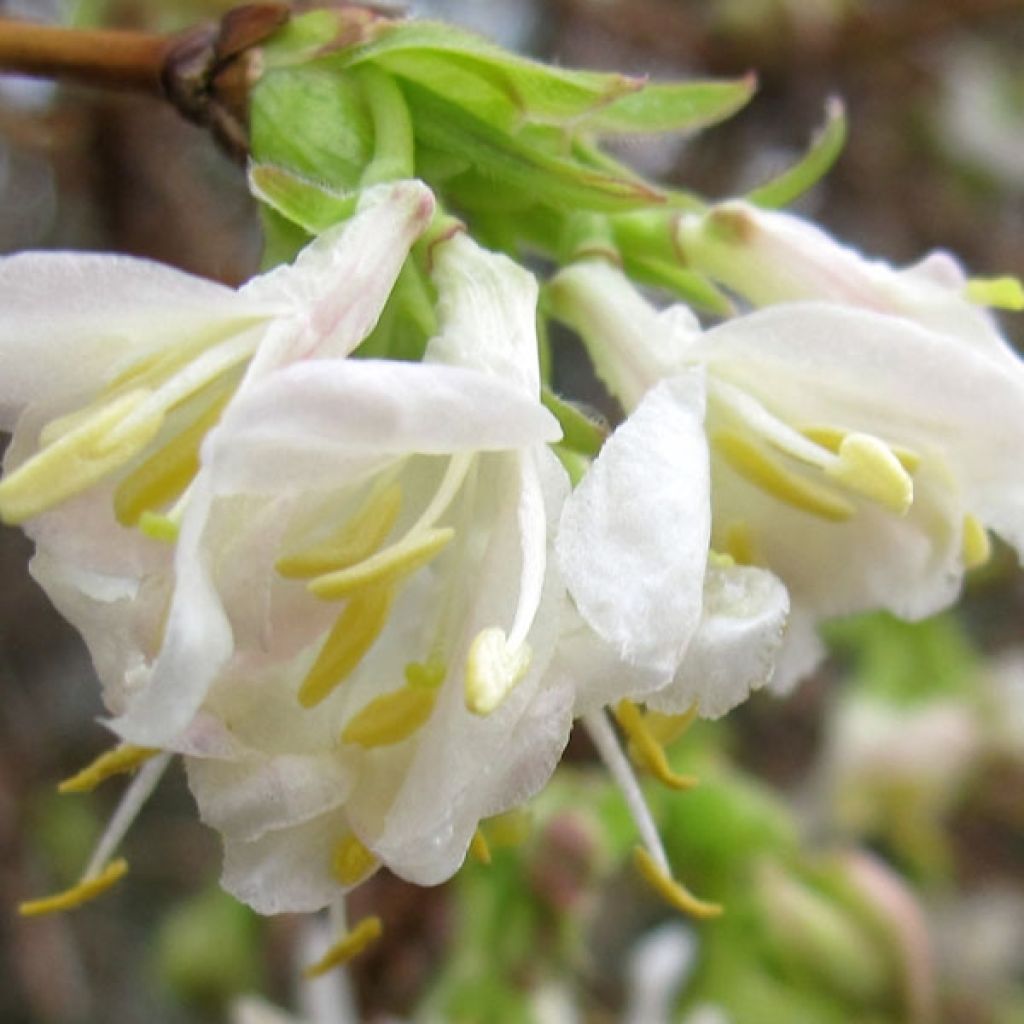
{"x":352,"y":636}
{"x":351,"y":945}
{"x":357,"y":539}
{"x":646,"y":750}
{"x":124,"y":758}
{"x":674,"y":893}
{"x":458,"y":466}
{"x":385,"y":567}
{"x":86,"y":890}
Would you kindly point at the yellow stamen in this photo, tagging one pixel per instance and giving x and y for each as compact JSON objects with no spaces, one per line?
{"x":346,"y":645}
{"x":739,"y":543}
{"x":356,"y":540}
{"x":478,"y":847}
{"x":167,"y":472}
{"x":673,"y":892}
{"x":385,"y":567}
{"x":830,"y":438}
{"x":767,"y":474}
{"x":77,"y":460}
{"x":493,"y":670}
{"x":124,"y":758}
{"x":351,"y":861}
{"x":666,"y":729}
{"x":367,"y":931}
{"x":646,"y":751}
{"x":998,"y":292}
{"x":976,"y":547}
{"x":158,"y":527}
{"x":86,"y":890}
{"x":868,"y":466}
{"x":390,"y":718}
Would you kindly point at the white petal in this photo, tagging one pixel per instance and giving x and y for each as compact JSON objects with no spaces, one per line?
{"x":246,"y":798}
{"x":71,"y":321}
{"x":322,"y":421}
{"x":487,"y":309}
{"x":801,"y":653}
{"x":631,"y":344}
{"x":338,"y":284}
{"x":197,"y":640}
{"x":814,"y":364}
{"x":734,"y":649}
{"x":633,"y":541}
{"x":287,"y":870}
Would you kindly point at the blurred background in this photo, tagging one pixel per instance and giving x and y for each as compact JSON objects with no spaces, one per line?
{"x":867,"y":835}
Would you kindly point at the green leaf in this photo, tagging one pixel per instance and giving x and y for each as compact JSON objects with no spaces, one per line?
{"x":483,"y":78}
{"x":824,"y":150}
{"x":312,"y":206}
{"x":689,"y":285}
{"x":510,"y":163}
{"x":313,"y":121}
{"x":673,"y":107}
{"x":580,"y":433}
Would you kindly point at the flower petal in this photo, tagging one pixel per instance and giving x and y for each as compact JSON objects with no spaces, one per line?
{"x":733,"y":650}
{"x":72,"y":321}
{"x":317,"y":421}
{"x":487,"y":308}
{"x":633,"y":541}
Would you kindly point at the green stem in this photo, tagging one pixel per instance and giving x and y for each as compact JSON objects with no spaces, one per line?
{"x":394,"y":147}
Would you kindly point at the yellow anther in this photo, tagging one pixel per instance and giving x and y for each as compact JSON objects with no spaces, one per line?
{"x":355,"y":541}
{"x":86,"y":890}
{"x":493,"y":669}
{"x":158,"y":527}
{"x":387,"y":566}
{"x":869,"y":467}
{"x":645,"y":750}
{"x":124,"y":758}
{"x":479,"y":848}
{"x":429,"y":674}
{"x":738,"y":542}
{"x":770,"y":476}
{"x":672,"y":892}
{"x":351,"y":861}
{"x":998,"y":292}
{"x":666,"y":729}
{"x":390,"y":718}
{"x":346,"y":645}
{"x":167,"y":472}
{"x":76,"y":460}
{"x":366,"y":932}
{"x":976,"y":547}
{"x":830,"y":438}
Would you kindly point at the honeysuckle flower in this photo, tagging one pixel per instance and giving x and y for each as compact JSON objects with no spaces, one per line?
{"x":768,"y":257}
{"x":859,"y":456}
{"x":382,"y":530}
{"x":112,"y":370}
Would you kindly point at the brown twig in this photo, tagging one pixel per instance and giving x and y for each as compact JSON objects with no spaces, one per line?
{"x":113,"y":60}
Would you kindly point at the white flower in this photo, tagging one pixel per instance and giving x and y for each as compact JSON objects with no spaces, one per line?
{"x":112,"y":370}
{"x":381,"y":550}
{"x":770,"y":257}
{"x":859,"y":456}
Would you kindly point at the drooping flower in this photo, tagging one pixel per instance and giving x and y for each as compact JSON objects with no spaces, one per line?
{"x":382,"y":557}
{"x":859,"y":456}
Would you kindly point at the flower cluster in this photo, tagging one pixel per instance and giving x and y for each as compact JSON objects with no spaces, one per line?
{"x":346,"y":575}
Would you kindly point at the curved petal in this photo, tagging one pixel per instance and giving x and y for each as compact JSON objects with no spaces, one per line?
{"x":734,"y":648}
{"x":487,"y":308}
{"x":72,"y":321}
{"x":323,"y":421}
{"x":633,"y":540}
{"x":338,"y":284}
{"x":811,"y":363}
